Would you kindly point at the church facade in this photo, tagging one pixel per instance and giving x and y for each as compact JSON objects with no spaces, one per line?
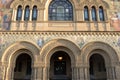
{"x":60,"y":40}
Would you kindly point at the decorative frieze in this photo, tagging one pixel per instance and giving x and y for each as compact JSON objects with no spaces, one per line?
{"x":41,"y":38}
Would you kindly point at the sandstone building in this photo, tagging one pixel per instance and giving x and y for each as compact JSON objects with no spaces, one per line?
{"x":60,"y":40}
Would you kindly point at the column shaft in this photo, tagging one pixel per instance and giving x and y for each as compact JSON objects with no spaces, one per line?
{"x":30,"y":14}
{"x":23,"y":12}
{"x":46,"y":73}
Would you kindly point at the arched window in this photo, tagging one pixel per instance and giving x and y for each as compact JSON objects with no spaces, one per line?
{"x":86,"y":13}
{"x":93,"y":12}
{"x":34,"y":13}
{"x":101,"y":13}
{"x":27,"y":13}
{"x":60,"y":10}
{"x":19,"y":13}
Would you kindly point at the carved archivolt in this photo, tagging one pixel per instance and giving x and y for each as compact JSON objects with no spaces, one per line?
{"x":59,"y":44}
{"x":103,"y":49}
{"x":45,"y":3}
{"x":11,"y":52}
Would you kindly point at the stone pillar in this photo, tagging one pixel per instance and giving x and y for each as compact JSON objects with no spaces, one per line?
{"x":117,"y":71}
{"x":111,"y":74}
{"x":77,"y":73}
{"x":37,"y":73}
{"x":14,"y":14}
{"x":34,"y":73}
{"x":46,"y":73}
{"x":82,"y":72}
{"x":30,"y":14}
{"x":97,"y":14}
{"x":23,"y":12}
{"x":22,"y":24}
{"x":39,"y":16}
{"x":73,"y":73}
{"x":105,"y":14}
{"x":90,"y":14}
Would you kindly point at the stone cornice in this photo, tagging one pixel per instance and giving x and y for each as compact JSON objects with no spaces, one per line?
{"x":112,"y":33}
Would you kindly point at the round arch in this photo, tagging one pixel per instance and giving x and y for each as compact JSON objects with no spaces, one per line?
{"x":15,"y":4}
{"x":108,"y":52}
{"x":73,"y":2}
{"x":59,"y":45}
{"x":11,"y":51}
{"x":47,"y":2}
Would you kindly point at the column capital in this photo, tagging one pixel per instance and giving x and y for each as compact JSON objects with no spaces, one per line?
{"x":40,"y":64}
{"x":82,"y":64}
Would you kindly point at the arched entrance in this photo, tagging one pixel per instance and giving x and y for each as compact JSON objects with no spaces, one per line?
{"x":97,"y":67}
{"x":22,"y":70}
{"x":109,"y":57}
{"x":60,"y":66}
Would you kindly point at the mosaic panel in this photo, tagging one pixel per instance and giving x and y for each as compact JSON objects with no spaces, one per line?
{"x":41,"y":40}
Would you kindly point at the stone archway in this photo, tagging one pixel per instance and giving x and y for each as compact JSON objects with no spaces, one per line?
{"x":106,"y":51}
{"x":57,"y":45}
{"x":23,"y":67}
{"x":47,"y":2}
{"x":97,"y":68}
{"x":60,"y":66}
{"x":10,"y":55}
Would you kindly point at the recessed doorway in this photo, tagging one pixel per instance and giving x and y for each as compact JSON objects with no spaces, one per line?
{"x":60,"y":66}
{"x":22,"y":70}
{"x":97,"y":68}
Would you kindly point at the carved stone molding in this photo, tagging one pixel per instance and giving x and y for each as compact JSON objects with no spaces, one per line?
{"x":111,"y":33}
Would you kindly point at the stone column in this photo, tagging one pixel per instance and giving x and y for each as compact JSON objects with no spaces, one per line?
{"x":30,"y":14}
{"x":97,"y":14}
{"x":38,"y":14}
{"x":46,"y":73}
{"x":23,"y":12}
{"x":90,"y":14}
{"x":29,"y":24}
{"x":82,"y":72}
{"x":77,"y":73}
{"x":117,"y":71}
{"x":22,"y":24}
{"x":105,"y":14}
{"x":34,"y":73}
{"x":40,"y":73}
{"x":111,"y":74}
{"x":37,"y":73}
{"x":73,"y":73}
{"x":14,"y":14}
